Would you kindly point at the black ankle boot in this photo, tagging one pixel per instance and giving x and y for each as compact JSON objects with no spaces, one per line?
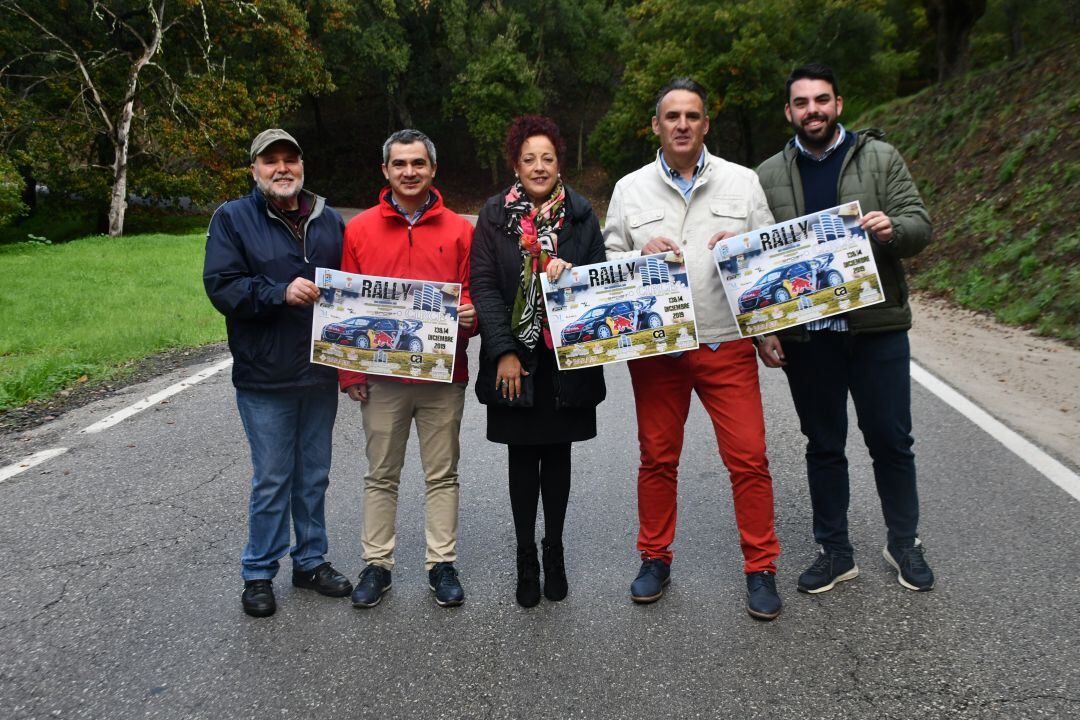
{"x":554,"y":571}
{"x":528,"y":576}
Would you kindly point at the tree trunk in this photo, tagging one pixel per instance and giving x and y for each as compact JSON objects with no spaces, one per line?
{"x":746,"y":127}
{"x":403,"y":114}
{"x":1072,"y":14}
{"x":493,"y":161}
{"x":320,"y":127}
{"x":1014,"y":13}
{"x":952,"y":21}
{"x":121,"y":134}
{"x":29,"y":191}
{"x":118,"y":196}
{"x":580,"y":144}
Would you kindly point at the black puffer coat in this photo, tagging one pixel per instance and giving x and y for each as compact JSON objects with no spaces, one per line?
{"x":495,"y":269}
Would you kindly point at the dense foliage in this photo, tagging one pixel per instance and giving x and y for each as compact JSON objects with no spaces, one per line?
{"x":159,"y":98}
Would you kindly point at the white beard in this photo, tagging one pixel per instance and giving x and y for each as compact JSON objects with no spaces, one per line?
{"x":272,"y":193}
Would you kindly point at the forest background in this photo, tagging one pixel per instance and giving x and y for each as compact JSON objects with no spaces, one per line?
{"x":103,"y":99}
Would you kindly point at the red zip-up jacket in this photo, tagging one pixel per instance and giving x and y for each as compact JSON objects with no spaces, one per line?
{"x":379,"y":241}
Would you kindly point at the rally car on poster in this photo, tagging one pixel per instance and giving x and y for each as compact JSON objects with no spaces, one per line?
{"x":790,"y":281}
{"x":613,"y":318}
{"x":366,"y":332}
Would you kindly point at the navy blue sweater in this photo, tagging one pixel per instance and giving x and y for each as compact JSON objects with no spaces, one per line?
{"x":821,"y":179}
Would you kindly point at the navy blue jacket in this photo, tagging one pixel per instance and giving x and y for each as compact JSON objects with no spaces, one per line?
{"x":251,"y":257}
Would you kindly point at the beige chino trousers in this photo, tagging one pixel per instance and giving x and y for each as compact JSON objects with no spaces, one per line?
{"x":388,"y":415}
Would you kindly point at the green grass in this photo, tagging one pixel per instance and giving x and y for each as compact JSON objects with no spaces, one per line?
{"x":79,"y":311}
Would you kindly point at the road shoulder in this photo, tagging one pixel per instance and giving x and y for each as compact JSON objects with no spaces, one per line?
{"x":1028,"y":382}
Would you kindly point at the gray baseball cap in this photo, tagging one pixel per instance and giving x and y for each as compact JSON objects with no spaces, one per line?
{"x":268,"y":137}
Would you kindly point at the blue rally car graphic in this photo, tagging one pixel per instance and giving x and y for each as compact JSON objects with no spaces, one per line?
{"x":613,"y":318}
{"x":788,"y":281}
{"x":366,"y":332}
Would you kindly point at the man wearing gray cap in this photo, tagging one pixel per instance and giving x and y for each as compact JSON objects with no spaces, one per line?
{"x":261,"y":255}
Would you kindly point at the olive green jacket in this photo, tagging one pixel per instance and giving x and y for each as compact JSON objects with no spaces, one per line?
{"x":874,"y":174}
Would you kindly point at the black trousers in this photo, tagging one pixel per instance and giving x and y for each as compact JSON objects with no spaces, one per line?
{"x":875,"y":369}
{"x":539,"y":471}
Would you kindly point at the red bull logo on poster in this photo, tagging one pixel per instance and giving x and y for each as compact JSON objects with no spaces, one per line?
{"x":380,"y":338}
{"x":620,"y":323}
{"x":800,"y":285}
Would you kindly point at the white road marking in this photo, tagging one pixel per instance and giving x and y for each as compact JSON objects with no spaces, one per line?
{"x":28,"y":462}
{"x":154,"y":399}
{"x":1027,"y":451}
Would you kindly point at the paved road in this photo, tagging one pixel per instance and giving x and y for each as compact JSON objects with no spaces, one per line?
{"x":119,"y":598}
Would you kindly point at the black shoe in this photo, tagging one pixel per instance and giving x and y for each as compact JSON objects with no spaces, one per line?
{"x":258,"y":598}
{"x":649,"y":584}
{"x":324,"y":580}
{"x":528,"y":577}
{"x":373,"y":583}
{"x":555,"y":587}
{"x":762,"y":600}
{"x":443,"y":581}
{"x":911,"y":569}
{"x":828,"y":569}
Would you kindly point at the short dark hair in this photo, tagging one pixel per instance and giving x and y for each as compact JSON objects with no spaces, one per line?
{"x":526,"y":126}
{"x":407,"y":137}
{"x":683,"y":83}
{"x":812,"y":71}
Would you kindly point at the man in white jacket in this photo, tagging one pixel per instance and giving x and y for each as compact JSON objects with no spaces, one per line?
{"x":682,"y":203}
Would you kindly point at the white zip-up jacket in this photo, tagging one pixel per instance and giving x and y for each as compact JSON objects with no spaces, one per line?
{"x":647,"y":204}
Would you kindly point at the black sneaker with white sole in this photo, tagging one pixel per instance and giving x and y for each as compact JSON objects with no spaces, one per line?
{"x":828,"y":569}
{"x":912,"y":570}
{"x":443,"y":581}
{"x":374,"y":582}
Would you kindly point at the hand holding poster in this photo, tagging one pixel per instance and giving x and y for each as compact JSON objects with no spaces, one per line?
{"x":385,"y":326}
{"x":620,"y":310}
{"x":798,"y":271}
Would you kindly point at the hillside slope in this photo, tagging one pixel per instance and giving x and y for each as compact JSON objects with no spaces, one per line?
{"x":997,"y":158}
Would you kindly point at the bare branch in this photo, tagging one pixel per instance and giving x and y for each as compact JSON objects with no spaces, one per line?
{"x":88,"y":82}
{"x":99,"y":11}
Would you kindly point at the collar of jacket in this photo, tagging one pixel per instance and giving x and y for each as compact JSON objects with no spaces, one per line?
{"x":387,"y":210}
{"x":710,"y":163}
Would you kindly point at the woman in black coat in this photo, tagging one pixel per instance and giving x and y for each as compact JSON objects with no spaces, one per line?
{"x":537,"y":226}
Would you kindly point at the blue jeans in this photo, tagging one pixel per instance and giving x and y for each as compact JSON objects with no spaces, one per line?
{"x":290,"y":435}
{"x":875,"y":368}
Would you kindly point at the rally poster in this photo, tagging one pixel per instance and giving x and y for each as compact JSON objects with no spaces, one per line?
{"x":385,"y":326}
{"x":620,"y":310}
{"x":795,"y":272}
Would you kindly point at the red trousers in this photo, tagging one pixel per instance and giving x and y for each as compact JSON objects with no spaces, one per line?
{"x":726,"y":381}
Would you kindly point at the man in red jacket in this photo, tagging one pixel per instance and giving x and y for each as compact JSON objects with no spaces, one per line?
{"x":410,"y":234}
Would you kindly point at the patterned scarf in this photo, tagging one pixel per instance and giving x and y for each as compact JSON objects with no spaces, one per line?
{"x":535,"y":230}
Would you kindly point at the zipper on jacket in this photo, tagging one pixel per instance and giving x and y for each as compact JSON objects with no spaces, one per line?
{"x":410,"y":236}
{"x":303,"y":248}
{"x":859,"y":142}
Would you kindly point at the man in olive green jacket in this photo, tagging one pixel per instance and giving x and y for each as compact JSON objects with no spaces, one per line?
{"x":864,"y":352}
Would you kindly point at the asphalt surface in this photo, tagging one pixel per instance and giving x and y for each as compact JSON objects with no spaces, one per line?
{"x":119,"y":586}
